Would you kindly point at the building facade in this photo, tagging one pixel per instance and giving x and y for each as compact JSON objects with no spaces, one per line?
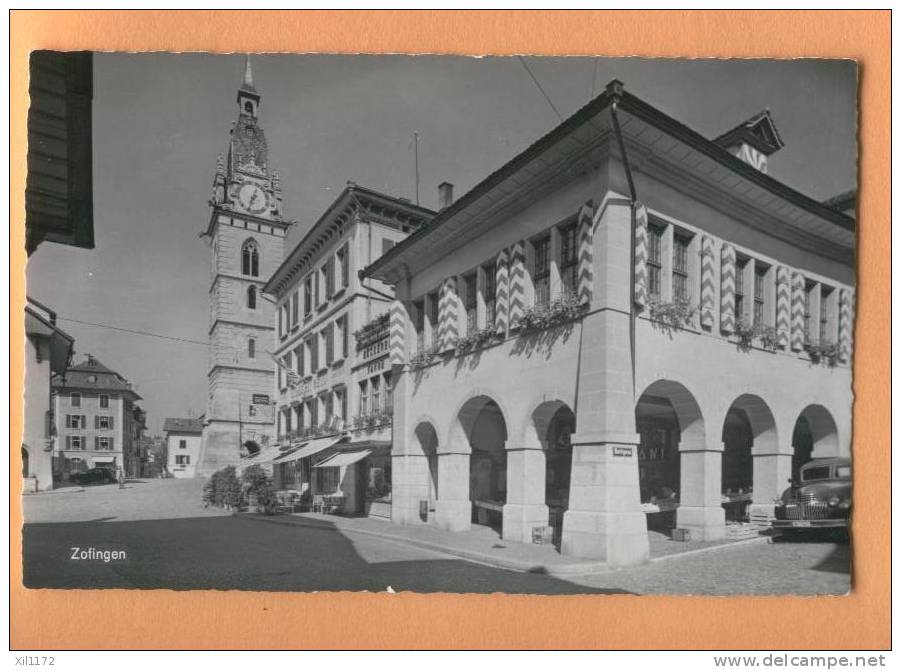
{"x":48,"y":351}
{"x":95,"y":418}
{"x":333,"y":382}
{"x":245,"y":234}
{"x":627,"y":326}
{"x":183,"y":442}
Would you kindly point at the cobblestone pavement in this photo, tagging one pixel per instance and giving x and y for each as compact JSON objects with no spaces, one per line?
{"x":171,"y":541}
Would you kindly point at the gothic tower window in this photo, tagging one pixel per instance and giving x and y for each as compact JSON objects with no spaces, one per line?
{"x":251,"y":297}
{"x":251,"y":348}
{"x":250,"y":259}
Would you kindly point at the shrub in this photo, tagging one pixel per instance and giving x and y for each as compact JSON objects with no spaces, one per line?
{"x":823,"y":352}
{"x":258,"y":486}
{"x":671,"y":315}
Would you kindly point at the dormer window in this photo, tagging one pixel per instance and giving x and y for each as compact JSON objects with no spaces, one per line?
{"x":92,"y":379}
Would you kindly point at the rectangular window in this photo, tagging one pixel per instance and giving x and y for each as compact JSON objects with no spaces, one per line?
{"x":298,"y":360}
{"x":389,"y":392}
{"x":104,"y":402}
{"x":433,"y":317}
{"x":308,"y":296}
{"x":76,"y":421}
{"x":655,"y":261}
{"x":490,"y":294}
{"x":824,"y":315}
{"x":327,"y":336}
{"x":740,"y":266}
{"x":680,"y":267}
{"x":341,"y":402}
{"x":329,"y":278}
{"x":75,"y":442}
{"x":344,"y":259}
{"x":364,"y":398}
{"x":182,"y":444}
{"x":326,"y":480}
{"x":295,"y":309}
{"x":75,"y":399}
{"x":313,"y":346}
{"x":103,"y":443}
{"x":340,"y":328}
{"x":541,"y":275}
{"x":183,"y":459}
{"x":103,"y":422}
{"x":759,"y":294}
{"x":329,"y":402}
{"x":316,"y":293}
{"x":313,"y":412}
{"x":470,"y":302}
{"x":569,"y":258}
{"x":419,"y":323}
{"x":286,"y":317}
{"x":808,"y":303}
{"x":374,"y":386}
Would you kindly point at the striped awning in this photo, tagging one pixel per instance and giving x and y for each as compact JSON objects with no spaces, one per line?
{"x":343,"y":459}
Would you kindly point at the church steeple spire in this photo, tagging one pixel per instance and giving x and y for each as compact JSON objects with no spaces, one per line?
{"x":248,"y":75}
{"x":248,"y":98}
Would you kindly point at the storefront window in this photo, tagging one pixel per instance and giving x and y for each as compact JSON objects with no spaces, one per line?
{"x":326,"y":480}
{"x":378,"y":479}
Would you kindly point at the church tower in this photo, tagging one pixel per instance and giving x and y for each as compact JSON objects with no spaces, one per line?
{"x":246,"y":236}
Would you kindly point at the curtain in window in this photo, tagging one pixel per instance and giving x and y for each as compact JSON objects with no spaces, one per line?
{"x":586,"y":253}
{"x":448,"y":330}
{"x":727,"y":289}
{"x":501,"y":290}
{"x":798,"y":311}
{"x":640,"y":289}
{"x":783,"y":306}
{"x":517,"y":299}
{"x":396,"y":329}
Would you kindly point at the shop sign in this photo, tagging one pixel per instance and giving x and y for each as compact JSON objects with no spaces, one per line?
{"x":625,"y":452}
{"x":260,"y":399}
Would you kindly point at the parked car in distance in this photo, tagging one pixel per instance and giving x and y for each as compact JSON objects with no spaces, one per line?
{"x":94,"y":476}
{"x":821,"y":498}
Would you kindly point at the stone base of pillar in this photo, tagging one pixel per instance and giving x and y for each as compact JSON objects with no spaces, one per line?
{"x":762,"y":511}
{"x":705,"y":523}
{"x":618,"y":538}
{"x":453,"y":515}
{"x":519,"y":520}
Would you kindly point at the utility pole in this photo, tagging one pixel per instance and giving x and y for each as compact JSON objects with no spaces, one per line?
{"x":416,"y":161}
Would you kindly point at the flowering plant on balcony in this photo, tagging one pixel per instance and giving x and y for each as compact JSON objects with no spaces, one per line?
{"x":823,"y":351}
{"x":475,"y":340}
{"x":747,"y":333}
{"x":566,"y":308}
{"x":673,"y":315}
{"x":375,"y":419}
{"x":422,"y":358}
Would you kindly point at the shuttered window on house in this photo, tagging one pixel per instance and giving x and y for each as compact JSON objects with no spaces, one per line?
{"x":569,"y":258}
{"x":541,"y":276}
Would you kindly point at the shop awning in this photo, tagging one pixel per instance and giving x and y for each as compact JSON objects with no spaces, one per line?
{"x":344,"y":458}
{"x":103,"y":459}
{"x":314,"y":447}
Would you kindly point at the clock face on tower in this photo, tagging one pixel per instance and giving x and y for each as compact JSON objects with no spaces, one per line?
{"x":252,"y":198}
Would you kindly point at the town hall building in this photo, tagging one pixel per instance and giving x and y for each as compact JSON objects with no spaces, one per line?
{"x":627,"y":326}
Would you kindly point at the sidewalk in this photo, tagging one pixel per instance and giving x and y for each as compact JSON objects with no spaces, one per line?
{"x":483,"y":545}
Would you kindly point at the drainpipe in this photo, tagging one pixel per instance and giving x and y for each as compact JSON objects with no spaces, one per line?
{"x":617,"y":90}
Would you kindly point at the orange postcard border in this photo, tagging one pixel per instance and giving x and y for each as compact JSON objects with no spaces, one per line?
{"x":45,"y":619}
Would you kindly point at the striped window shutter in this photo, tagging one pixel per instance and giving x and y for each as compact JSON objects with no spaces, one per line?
{"x":797,"y":312}
{"x":396,"y":328}
{"x":844,"y":324}
{"x":96,"y":422}
{"x":517,"y":283}
{"x":708,"y":279}
{"x":640,"y":290}
{"x":586,"y":253}
{"x":727,"y":289}
{"x":448,"y":330}
{"x":68,"y":441}
{"x":783,"y":306}
{"x":501,"y":293}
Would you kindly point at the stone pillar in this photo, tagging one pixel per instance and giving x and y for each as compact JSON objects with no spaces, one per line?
{"x":410,"y":484}
{"x":453,"y":509}
{"x":525,"y":506}
{"x":700,"y":492}
{"x":604,"y":520}
{"x":771,"y":474}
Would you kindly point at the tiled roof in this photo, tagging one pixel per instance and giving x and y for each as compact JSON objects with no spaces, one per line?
{"x":183,"y":426}
{"x":92,"y":374}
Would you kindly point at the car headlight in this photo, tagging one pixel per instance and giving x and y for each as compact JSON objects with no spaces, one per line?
{"x":834,"y":501}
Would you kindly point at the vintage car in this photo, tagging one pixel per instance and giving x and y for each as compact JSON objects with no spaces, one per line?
{"x":820,"y":499}
{"x":94,"y":476}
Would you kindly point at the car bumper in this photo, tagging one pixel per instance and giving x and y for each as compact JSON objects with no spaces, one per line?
{"x":801,"y":524}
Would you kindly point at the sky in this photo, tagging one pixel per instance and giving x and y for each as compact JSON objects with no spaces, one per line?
{"x":161,"y":119}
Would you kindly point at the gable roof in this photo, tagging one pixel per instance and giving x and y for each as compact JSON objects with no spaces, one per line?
{"x":759,"y":131}
{"x":92,"y":375}
{"x":183,"y":425}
